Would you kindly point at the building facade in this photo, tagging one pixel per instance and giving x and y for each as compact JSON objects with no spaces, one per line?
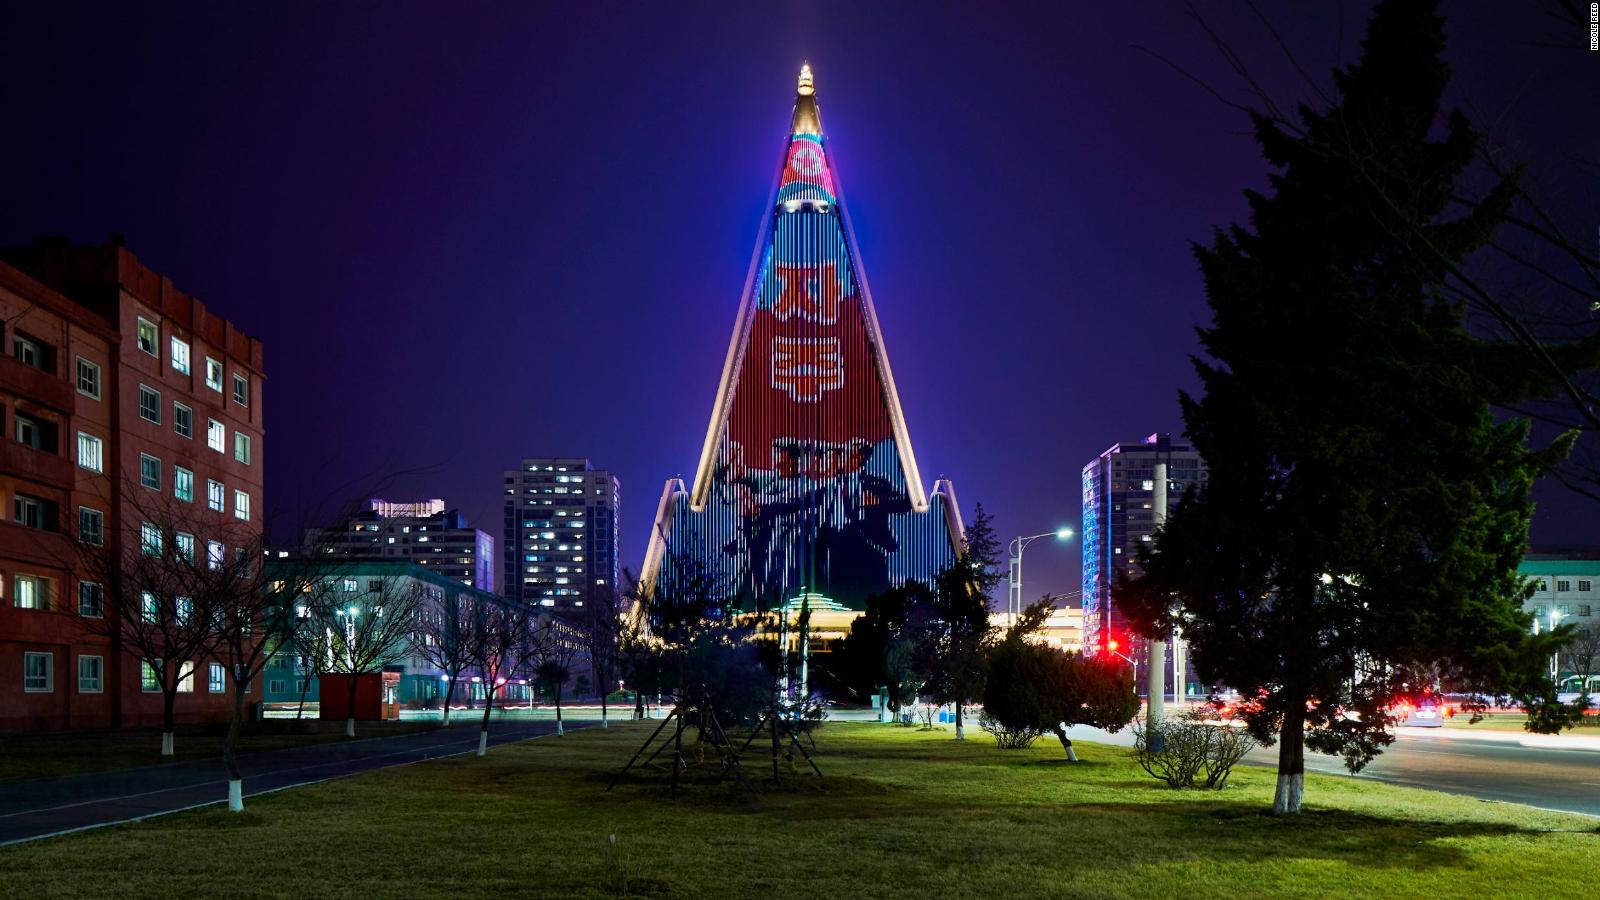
{"x":422,"y":531}
{"x":120,"y":394}
{"x":807,"y":483}
{"x":1566,"y":583}
{"x":289,"y":680}
{"x":1118,"y":517}
{"x":560,"y":537}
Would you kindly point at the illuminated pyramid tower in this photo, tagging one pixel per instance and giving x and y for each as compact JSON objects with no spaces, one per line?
{"x":807,"y":482}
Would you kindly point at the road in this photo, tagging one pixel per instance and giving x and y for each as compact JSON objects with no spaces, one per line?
{"x":34,"y":809}
{"x":1559,"y":772}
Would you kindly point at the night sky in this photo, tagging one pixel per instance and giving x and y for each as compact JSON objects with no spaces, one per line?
{"x":469,"y":233}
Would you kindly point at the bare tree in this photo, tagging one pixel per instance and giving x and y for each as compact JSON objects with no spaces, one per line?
{"x":444,"y":637}
{"x":598,"y":626}
{"x":1583,"y":656}
{"x":366,"y":629}
{"x":558,"y":643}
{"x":502,"y":635}
{"x":151,"y":583}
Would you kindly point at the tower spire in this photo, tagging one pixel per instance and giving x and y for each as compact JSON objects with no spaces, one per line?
{"x":806,"y":120}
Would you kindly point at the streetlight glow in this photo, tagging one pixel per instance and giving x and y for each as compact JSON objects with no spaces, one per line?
{"x":1064,"y":533}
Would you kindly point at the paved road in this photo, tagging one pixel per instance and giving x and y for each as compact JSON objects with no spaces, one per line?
{"x":1556,"y":773}
{"x":35,"y":809}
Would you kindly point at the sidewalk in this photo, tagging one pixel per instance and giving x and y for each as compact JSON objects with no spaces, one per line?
{"x":31,"y":810}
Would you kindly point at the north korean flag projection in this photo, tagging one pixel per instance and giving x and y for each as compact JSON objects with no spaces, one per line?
{"x":807,"y":482}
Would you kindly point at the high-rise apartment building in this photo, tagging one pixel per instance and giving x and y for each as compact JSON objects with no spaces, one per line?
{"x":1119,"y":516}
{"x":120,"y":395}
{"x":560,"y":536}
{"x":423,"y":531}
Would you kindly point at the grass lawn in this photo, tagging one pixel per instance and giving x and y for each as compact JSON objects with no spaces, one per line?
{"x":901,"y":813}
{"x":24,"y":757}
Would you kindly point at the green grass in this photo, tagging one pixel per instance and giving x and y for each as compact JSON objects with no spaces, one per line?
{"x":24,"y":757}
{"x":901,"y":813}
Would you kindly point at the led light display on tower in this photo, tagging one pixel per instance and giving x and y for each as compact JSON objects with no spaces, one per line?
{"x":807,"y":481}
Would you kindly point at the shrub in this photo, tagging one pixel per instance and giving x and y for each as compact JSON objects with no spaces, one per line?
{"x":1032,"y":689}
{"x":1190,"y":751}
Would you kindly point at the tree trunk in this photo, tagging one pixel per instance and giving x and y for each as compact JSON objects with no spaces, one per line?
{"x":449,"y":694}
{"x":1291,"y":764}
{"x":559,"y":729}
{"x":169,"y":698}
{"x":603,"y":722}
{"x":230,"y":747}
{"x":305,"y":688}
{"x":483,"y":732}
{"x":1066,"y":743}
{"x":961,"y":733}
{"x":350,"y":710}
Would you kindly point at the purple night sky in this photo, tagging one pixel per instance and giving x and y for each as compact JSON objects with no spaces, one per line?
{"x":472,"y":233}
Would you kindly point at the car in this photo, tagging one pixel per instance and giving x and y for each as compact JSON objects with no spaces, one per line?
{"x":1426,"y":712}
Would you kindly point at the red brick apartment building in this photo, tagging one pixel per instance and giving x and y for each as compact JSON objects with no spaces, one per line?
{"x":111,"y":380}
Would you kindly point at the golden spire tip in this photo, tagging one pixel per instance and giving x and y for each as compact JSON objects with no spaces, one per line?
{"x":805,"y":87}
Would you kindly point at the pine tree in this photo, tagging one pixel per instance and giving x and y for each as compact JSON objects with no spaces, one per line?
{"x":1365,"y":511}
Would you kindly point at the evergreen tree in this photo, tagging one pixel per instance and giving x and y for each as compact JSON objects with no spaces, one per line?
{"x":1365,"y":511}
{"x":981,"y":555}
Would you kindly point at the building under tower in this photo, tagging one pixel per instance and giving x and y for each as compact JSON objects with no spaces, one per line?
{"x":807,"y":483}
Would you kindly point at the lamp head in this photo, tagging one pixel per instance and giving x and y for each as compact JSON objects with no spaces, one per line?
{"x":1064,"y":533}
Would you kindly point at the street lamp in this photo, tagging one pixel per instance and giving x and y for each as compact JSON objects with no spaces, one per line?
{"x":1019,"y":544}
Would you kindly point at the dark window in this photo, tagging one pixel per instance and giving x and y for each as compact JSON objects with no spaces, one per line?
{"x":149,"y":404}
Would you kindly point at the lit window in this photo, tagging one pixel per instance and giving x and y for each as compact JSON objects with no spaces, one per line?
{"x":91,"y":674}
{"x":183,"y":484}
{"x":216,"y":678}
{"x":216,"y":496}
{"x":149,"y":404}
{"x":30,"y":592}
{"x":184,"y":542}
{"x":150,"y":471}
{"x":241,"y":390}
{"x":216,"y":554}
{"x":214,"y":374}
{"x":241,"y":447}
{"x":216,"y":436}
{"x":182,"y":420}
{"x":149,"y":609}
{"x":91,"y":525}
{"x":90,"y":453}
{"x":241,"y":505}
{"x":38,"y":672}
{"x":147,"y":336}
{"x":91,"y":599}
{"x":150,"y":539}
{"x":88,"y":378}
{"x":186,"y":677}
{"x":349,"y":585}
{"x":183,"y":609}
{"x":148,"y":681}
{"x":180,"y":355}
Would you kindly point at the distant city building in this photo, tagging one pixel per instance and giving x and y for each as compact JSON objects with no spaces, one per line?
{"x":1566,"y":592}
{"x":560,"y":536}
{"x":118,"y":392}
{"x":422,"y":531}
{"x":1117,"y":518}
{"x":410,"y":679}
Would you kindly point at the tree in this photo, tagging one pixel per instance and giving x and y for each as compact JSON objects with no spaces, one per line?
{"x":981,"y":556}
{"x":365,"y":629}
{"x":1583,"y":656}
{"x":154,"y":605}
{"x":598,"y":627}
{"x":1365,"y":511}
{"x":502,"y":640}
{"x":1032,"y":688}
{"x":558,"y":645}
{"x":444,"y":637}
{"x":878,"y":652}
{"x":951,"y":633}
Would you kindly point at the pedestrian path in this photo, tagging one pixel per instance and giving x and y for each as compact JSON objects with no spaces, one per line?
{"x":35,"y":809}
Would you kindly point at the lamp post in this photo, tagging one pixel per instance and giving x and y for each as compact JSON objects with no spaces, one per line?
{"x":1019,"y":544}
{"x":1555,"y":658}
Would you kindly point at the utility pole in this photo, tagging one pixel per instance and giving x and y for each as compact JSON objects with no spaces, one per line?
{"x":1156,"y":647}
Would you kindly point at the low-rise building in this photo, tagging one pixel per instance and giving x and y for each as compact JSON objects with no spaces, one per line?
{"x":422,"y":531}
{"x":1566,"y":582}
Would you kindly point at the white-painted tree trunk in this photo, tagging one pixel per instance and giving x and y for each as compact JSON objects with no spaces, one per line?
{"x":235,"y":795}
{"x":350,"y":727}
{"x":483,"y":742}
{"x":1072,"y":755}
{"x":446,"y":716}
{"x":961,"y":732}
{"x":560,"y":730}
{"x":1287,"y":798}
{"x":166,"y":743}
{"x":604,"y":723}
